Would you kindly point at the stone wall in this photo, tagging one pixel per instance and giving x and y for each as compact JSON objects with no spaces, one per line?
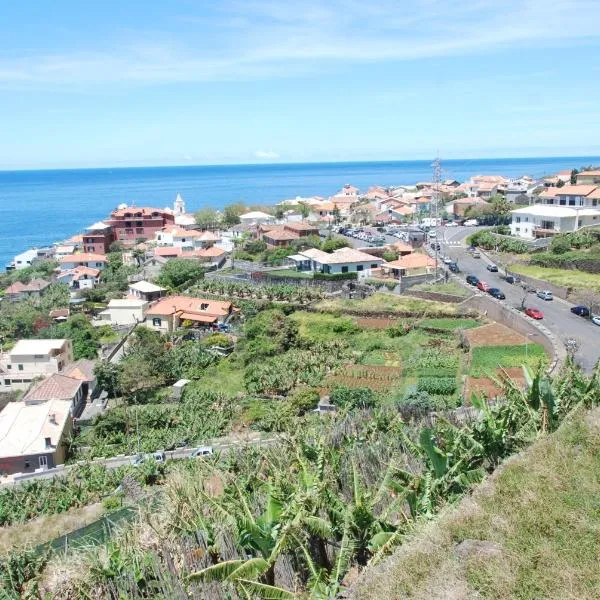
{"x":436,"y":296}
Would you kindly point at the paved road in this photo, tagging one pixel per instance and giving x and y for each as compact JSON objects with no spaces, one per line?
{"x":557,"y":315}
{"x":121,"y":461}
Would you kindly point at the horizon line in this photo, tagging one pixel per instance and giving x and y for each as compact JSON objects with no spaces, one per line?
{"x":283,"y":162}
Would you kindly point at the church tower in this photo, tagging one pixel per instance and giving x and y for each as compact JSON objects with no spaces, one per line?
{"x":179,"y":206}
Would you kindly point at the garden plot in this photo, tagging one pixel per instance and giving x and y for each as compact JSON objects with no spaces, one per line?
{"x":493,"y":334}
{"x":380,"y":378}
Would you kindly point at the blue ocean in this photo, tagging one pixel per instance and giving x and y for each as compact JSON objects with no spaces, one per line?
{"x":40,"y":207}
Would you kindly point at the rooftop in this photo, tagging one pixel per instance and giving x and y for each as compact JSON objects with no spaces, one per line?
{"x":343,"y":255}
{"x":82,"y":369}
{"x":127,"y":303}
{"x":575,"y":190}
{"x":98,"y":226}
{"x":33,"y":286}
{"x":134,"y":211}
{"x":83,"y":257}
{"x":55,"y":387}
{"x":255,"y":214}
{"x":186,"y":304}
{"x":412,"y":261}
{"x":27,"y":347}
{"x":25,"y":427}
{"x":145,"y":287}
{"x":546,"y":210}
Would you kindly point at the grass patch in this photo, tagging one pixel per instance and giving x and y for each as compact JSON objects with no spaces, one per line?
{"x":564,"y":277}
{"x":451,"y":288}
{"x":288,"y":273}
{"x":390,"y":303}
{"x":485,"y":360}
{"x":542,"y":509}
{"x":449,"y":324}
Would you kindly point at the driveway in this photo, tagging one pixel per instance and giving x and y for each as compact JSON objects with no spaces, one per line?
{"x":557,"y":315}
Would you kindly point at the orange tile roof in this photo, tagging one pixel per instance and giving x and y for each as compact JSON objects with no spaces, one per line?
{"x":83,"y":257}
{"x":280,"y":235}
{"x":575,"y":190}
{"x":212,"y":251}
{"x":174,"y":304}
{"x":144,"y":211}
{"x":186,"y":316}
{"x":55,"y":387}
{"x":167,"y":251}
{"x":412,"y":261}
{"x":594,"y":173}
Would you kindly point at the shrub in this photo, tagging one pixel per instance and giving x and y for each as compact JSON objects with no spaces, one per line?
{"x":353,"y":397}
{"x":443,"y":386}
{"x":419,"y":400}
{"x":336,"y":276}
{"x":304,"y":400}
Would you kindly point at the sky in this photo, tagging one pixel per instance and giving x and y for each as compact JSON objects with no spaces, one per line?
{"x":150,"y":82}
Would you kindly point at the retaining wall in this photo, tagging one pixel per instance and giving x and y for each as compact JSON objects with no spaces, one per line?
{"x":437,"y":296}
{"x":559,"y":291}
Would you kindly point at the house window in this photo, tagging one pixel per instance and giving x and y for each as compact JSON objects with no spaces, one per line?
{"x":594,"y":202}
{"x":139,"y":230}
{"x":562,"y":202}
{"x":571,"y":201}
{"x":518,"y":219}
{"x":359,"y":267}
{"x":344,"y":269}
{"x":373,"y":266}
{"x":517,"y":229}
{"x":127,"y":223}
{"x":547,"y":224}
{"x":138,"y":224}
{"x":20,"y":367}
{"x":38,"y":356}
{"x":27,"y":464}
{"x":156,"y":322}
{"x":43,"y":462}
{"x":204,"y":306}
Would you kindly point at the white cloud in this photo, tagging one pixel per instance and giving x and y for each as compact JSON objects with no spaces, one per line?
{"x":249,"y":39}
{"x":266,"y":154}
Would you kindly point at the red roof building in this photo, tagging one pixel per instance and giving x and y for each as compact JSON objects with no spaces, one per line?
{"x":132,"y":223}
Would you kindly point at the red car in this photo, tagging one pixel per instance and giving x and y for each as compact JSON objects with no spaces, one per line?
{"x":483,"y":286}
{"x":534,"y":313}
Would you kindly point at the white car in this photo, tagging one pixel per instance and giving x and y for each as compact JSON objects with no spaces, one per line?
{"x":202,"y":451}
{"x":545,"y":295}
{"x":451,"y":224}
{"x":596,"y":319}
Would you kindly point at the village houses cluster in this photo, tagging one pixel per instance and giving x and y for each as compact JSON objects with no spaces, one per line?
{"x":55,"y":389}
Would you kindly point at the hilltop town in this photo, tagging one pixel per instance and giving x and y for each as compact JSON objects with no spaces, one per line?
{"x":161,"y":354}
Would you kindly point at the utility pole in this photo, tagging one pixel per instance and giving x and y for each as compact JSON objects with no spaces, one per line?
{"x":437,"y":176}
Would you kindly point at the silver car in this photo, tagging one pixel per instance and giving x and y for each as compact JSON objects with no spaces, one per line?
{"x":545,"y":295}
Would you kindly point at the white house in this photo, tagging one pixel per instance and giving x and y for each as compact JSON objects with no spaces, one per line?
{"x":63,"y":250}
{"x":80,"y":278}
{"x":344,"y":260}
{"x":83,"y":259}
{"x":125,"y":311}
{"x":23,"y":260}
{"x":30,"y":359}
{"x":256,"y":217}
{"x":33,"y":435}
{"x":144,"y":290}
{"x":560,"y":210}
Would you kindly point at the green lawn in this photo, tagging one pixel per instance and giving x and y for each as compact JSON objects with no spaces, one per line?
{"x":283,"y":273}
{"x":542,"y":512}
{"x":451,"y":287}
{"x":449,"y":324}
{"x":485,"y":360}
{"x":564,"y":277}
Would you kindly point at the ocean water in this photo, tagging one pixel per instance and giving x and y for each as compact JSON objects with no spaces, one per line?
{"x":40,"y":207}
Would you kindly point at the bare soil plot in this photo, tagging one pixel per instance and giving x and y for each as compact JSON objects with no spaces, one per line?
{"x":488,"y":387}
{"x":493,"y":334}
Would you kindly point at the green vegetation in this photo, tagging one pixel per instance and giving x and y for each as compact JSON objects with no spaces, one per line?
{"x":83,"y":484}
{"x":293,"y":273}
{"x":538,"y":517}
{"x":280,"y":292}
{"x":452,"y":288}
{"x":489,"y":241}
{"x":179,"y":273}
{"x":568,"y":278}
{"x":384,"y":302}
{"x":448,"y":324}
{"x":337,"y":495}
{"x":487,"y":359}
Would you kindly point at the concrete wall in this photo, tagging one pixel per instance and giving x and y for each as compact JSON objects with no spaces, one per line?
{"x":437,"y":296}
{"x":539,"y":284}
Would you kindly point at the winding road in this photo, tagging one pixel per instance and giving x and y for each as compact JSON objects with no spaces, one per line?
{"x":558,"y":317}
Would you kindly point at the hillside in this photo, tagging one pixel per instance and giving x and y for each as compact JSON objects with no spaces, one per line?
{"x":537,"y":522}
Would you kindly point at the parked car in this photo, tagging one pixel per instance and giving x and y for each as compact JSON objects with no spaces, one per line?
{"x":451,"y":224}
{"x":159,"y":456}
{"x":447,"y":260}
{"x":492,"y":268}
{"x":476,"y":254}
{"x":470,"y":223}
{"x":512,"y":279}
{"x":453,"y":267}
{"x":202,"y":451}
{"x":472,"y":280}
{"x":534,"y":313}
{"x":483,"y":286}
{"x":581,"y":311}
{"x":596,"y":319}
{"x":497,"y":293}
{"x":545,"y":295}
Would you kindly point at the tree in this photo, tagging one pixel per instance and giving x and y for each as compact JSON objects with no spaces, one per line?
{"x":231,"y":214}
{"x":304,"y":210}
{"x":77,"y":329}
{"x":574,"y":174}
{"x":334,"y":243}
{"x":108,"y":377}
{"x":180,"y":271}
{"x":279,"y":212}
{"x":207,"y":218}
{"x":337,"y":215}
{"x":560,"y":244}
{"x":560,"y":183}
